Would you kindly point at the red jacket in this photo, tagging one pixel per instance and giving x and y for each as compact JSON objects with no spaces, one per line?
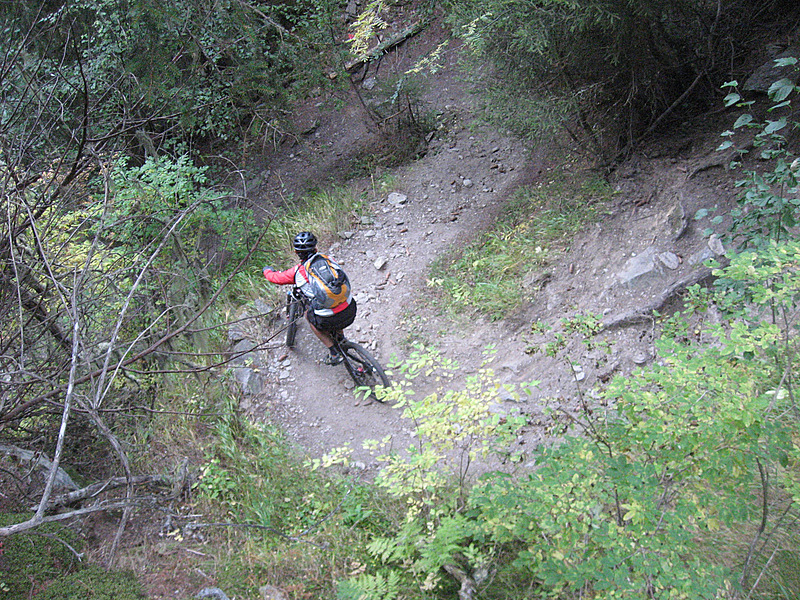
{"x":286,"y":277}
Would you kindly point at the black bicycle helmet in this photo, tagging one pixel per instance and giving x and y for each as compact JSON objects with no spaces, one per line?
{"x":304,"y":242}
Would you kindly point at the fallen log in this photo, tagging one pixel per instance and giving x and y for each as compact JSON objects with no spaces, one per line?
{"x":90,"y":491}
{"x":384,"y":46}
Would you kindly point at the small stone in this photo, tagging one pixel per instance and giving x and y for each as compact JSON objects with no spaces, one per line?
{"x":213,"y":593}
{"x":346,"y":235}
{"x":677,"y":221}
{"x":467,"y":183}
{"x":638,"y":269}
{"x":715,"y":245}
{"x":269,"y":592}
{"x":669,"y":260}
{"x":701,"y":256}
{"x":639,"y":358}
{"x":380,"y":263}
{"x":397,"y":199}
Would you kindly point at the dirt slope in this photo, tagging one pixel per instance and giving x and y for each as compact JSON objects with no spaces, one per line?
{"x":647,"y":244}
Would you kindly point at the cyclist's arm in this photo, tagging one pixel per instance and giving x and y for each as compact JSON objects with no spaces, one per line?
{"x":281,"y":277}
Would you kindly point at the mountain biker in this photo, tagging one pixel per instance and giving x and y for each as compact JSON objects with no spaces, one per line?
{"x":323,"y":322}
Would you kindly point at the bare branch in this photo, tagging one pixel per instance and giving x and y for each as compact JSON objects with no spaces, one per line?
{"x":95,"y":489}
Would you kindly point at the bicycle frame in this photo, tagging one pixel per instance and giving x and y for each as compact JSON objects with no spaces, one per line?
{"x":362,"y":367}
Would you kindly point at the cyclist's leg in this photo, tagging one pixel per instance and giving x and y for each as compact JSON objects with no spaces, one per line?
{"x":321,"y":328}
{"x":323,"y":336}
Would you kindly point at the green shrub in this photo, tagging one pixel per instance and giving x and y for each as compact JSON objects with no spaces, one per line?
{"x":171,"y":71}
{"x":697,"y":445}
{"x":608,"y":71}
{"x":172,"y":198}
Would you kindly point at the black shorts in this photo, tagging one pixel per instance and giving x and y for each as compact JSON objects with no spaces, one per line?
{"x":336,"y":322}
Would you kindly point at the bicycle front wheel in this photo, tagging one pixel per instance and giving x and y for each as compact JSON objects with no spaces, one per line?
{"x":365,"y":370}
{"x":293,"y":312}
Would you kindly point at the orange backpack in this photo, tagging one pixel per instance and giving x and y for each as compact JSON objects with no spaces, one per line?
{"x":328,"y":281}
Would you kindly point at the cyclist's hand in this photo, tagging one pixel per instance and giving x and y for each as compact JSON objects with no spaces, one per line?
{"x":268,"y":268}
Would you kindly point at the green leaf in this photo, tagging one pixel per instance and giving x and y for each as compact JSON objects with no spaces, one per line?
{"x":743,"y":120}
{"x":780,"y":105}
{"x":703,"y":212}
{"x":787,"y":61}
{"x":780,"y":90}
{"x":773,"y":126}
{"x":725,"y":145}
{"x":732,"y":99}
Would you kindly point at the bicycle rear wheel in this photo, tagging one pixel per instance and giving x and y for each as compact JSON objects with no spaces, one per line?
{"x":293,"y":312}
{"x":365,"y":370}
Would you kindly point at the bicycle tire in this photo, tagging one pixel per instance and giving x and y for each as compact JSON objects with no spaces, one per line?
{"x":365,"y":370}
{"x":293,"y":310}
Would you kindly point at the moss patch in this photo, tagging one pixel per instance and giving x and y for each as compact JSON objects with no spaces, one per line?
{"x":93,"y":583}
{"x":32,"y":558}
{"x":42,"y":564}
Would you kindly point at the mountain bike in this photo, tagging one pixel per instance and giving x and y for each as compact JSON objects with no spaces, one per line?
{"x":365,"y":370}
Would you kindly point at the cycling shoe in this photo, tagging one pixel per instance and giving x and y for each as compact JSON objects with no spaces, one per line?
{"x":333,"y":359}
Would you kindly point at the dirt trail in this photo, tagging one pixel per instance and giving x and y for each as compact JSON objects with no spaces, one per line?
{"x":315,"y":403}
{"x":452,"y":194}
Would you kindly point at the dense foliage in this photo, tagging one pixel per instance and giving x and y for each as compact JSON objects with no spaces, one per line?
{"x":116,"y":244}
{"x":161,"y":74}
{"x":609,"y":71}
{"x":696,"y":447}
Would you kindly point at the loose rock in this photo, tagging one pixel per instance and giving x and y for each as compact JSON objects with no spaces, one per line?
{"x":669,"y":260}
{"x":397,"y":199}
{"x":715,"y":245}
{"x":270,"y":592}
{"x":380,"y":263}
